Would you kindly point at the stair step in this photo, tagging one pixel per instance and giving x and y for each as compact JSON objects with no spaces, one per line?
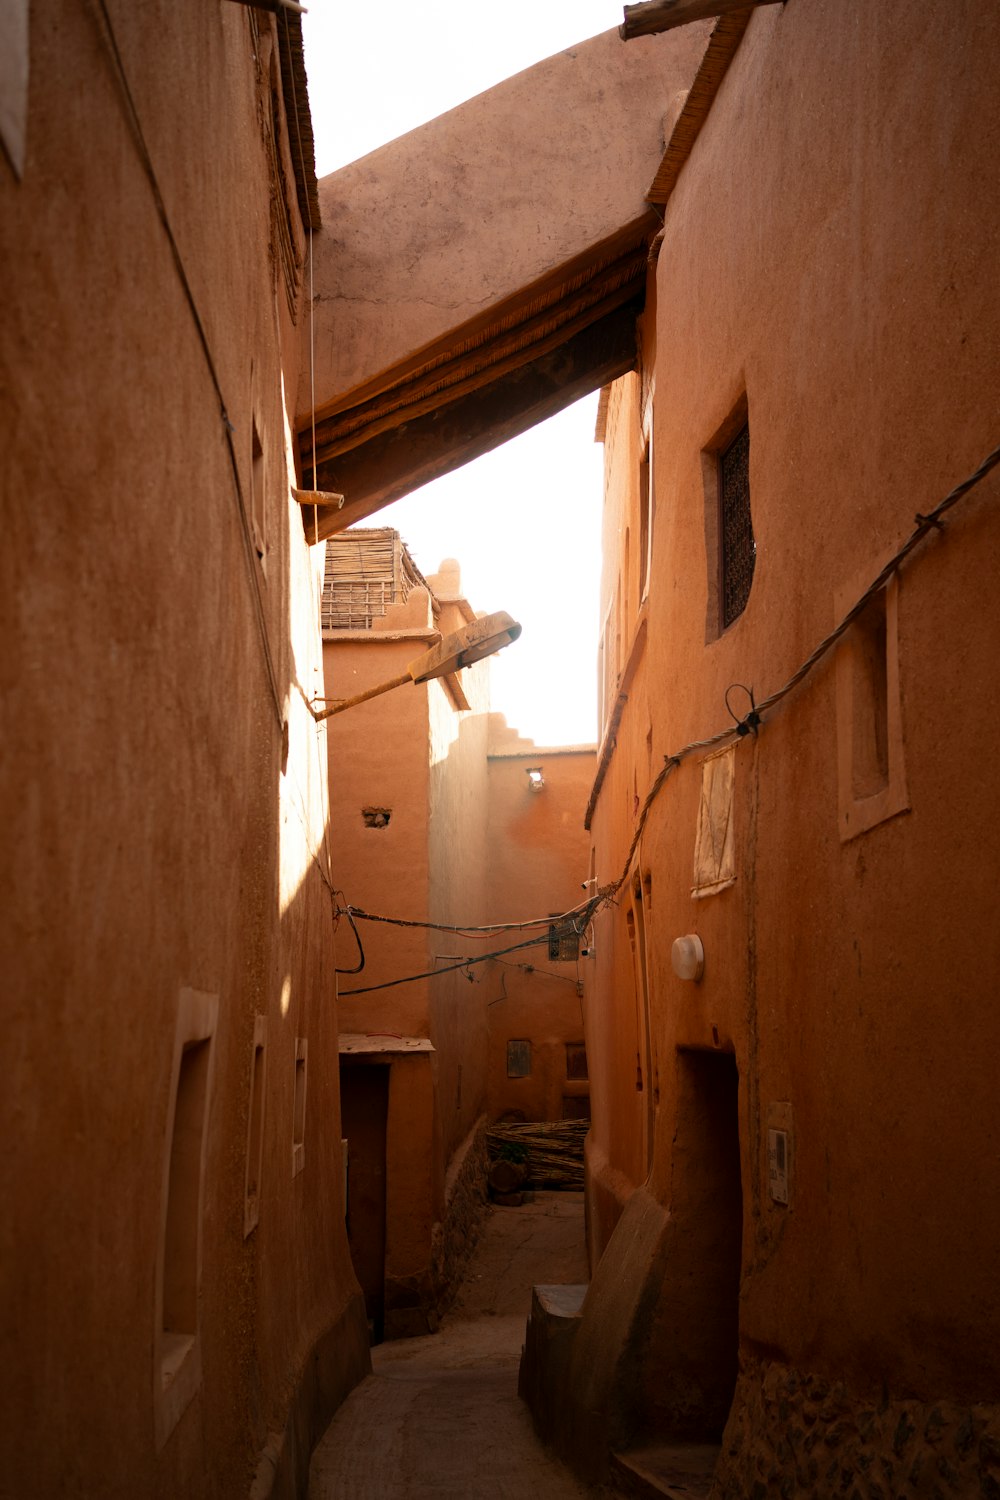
{"x":682,"y":1471}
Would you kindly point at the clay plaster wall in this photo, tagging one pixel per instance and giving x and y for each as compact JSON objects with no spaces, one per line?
{"x":458,"y":862}
{"x":538,"y":859}
{"x":623,"y":1074}
{"x":828,"y":255}
{"x":153,"y":842}
{"x":379,"y":759}
{"x":410,"y":753}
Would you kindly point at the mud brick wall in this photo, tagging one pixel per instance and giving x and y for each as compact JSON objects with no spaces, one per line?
{"x":455,"y":1238}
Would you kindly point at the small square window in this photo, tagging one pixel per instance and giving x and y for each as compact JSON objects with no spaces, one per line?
{"x":576,"y":1060}
{"x":519,"y":1059}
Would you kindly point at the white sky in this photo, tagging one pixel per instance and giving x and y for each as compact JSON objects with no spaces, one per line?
{"x":524,"y":521}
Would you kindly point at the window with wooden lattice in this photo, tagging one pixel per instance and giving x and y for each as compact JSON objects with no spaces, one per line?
{"x":737,"y":547}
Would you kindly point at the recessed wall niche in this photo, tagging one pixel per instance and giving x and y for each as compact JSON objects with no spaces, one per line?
{"x":177,"y":1343}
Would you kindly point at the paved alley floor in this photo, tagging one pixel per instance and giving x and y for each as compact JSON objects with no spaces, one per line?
{"x":440,"y":1416}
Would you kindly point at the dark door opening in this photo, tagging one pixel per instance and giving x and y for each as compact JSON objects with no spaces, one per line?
{"x":364,"y":1109}
{"x":698,"y":1317}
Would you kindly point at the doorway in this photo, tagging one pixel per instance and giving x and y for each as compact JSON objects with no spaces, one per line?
{"x":697,"y":1332}
{"x":364,"y":1110}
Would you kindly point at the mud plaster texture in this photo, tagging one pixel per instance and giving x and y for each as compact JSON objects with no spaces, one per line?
{"x":440,"y":1415}
{"x":794,"y":1434}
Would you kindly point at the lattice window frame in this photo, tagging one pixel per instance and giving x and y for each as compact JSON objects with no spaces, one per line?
{"x":737,"y":545}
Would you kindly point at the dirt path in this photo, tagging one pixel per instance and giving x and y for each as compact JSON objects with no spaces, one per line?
{"x":440,"y":1416}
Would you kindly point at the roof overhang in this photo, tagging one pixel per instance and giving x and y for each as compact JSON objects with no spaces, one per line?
{"x":485,"y":271}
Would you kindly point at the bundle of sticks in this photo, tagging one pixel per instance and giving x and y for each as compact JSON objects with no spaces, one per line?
{"x":552,"y":1150}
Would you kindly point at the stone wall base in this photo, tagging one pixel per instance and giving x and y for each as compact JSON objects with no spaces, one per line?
{"x":791,"y":1433}
{"x":466,"y":1202}
{"x":339,"y":1360}
{"x":415,"y":1305}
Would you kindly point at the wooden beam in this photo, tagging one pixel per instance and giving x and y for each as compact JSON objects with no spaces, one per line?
{"x":318,"y":498}
{"x":654,"y":16}
{"x":396,"y":462}
{"x":485,"y":327}
{"x":721,"y":49}
{"x":331,"y":447}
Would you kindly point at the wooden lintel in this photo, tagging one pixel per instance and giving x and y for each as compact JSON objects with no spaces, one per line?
{"x":653,"y":16}
{"x":396,"y":462}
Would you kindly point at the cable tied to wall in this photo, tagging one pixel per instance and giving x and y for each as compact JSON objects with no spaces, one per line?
{"x":924,"y":525}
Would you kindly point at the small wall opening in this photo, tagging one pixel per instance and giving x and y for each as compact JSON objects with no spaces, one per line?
{"x":645,"y":520}
{"x":180,"y":1242}
{"x":871,"y":774}
{"x":299,"y":1106}
{"x":376,"y":817}
{"x":177,"y":1364}
{"x":870,"y":749}
{"x":255,"y":1129}
{"x":257,"y":509}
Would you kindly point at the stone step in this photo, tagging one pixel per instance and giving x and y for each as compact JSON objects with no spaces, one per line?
{"x":682,"y":1471}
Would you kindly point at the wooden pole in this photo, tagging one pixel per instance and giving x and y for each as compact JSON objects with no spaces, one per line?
{"x":342,"y":703}
{"x":653,"y":16}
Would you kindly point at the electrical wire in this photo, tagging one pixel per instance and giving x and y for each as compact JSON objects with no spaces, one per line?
{"x":546,"y":973}
{"x":472,"y":930}
{"x":463,"y":963}
{"x":361,"y":952}
{"x":925,"y":524}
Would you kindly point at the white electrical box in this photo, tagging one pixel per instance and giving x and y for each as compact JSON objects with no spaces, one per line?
{"x":777,"y":1165}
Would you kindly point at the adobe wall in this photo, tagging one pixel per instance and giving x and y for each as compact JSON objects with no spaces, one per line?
{"x":411,"y":758}
{"x":457,"y":894}
{"x":829,"y":254}
{"x":538,"y":859}
{"x":379,"y":766}
{"x":155,"y":839}
{"x":619,"y":1145}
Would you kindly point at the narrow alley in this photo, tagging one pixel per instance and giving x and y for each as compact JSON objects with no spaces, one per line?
{"x":440,"y":1415}
{"x":307,"y":931}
